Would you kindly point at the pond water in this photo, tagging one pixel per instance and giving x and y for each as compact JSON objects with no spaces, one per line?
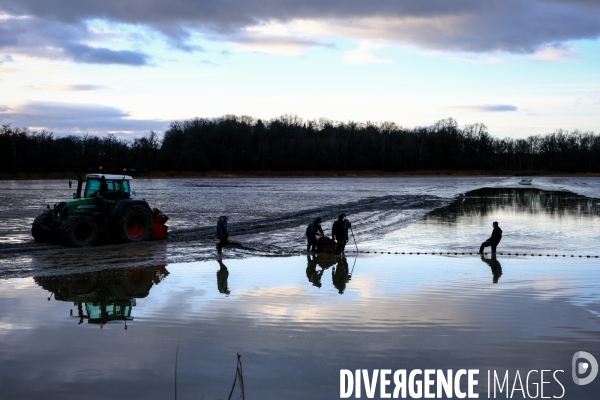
{"x":167,"y":320}
{"x":195,"y":203}
{"x":296,"y":321}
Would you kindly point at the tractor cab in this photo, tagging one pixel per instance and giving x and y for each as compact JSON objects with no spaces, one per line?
{"x":117,"y":187}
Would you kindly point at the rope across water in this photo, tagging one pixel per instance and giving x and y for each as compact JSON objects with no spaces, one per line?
{"x":441,"y":253}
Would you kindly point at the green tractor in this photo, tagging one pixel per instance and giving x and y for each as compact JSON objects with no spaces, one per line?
{"x":107,"y":208}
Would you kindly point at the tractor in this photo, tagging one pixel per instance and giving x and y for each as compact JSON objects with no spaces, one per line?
{"x":107,"y":209}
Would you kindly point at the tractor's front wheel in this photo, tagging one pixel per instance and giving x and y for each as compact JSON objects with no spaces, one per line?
{"x":135,"y":225}
{"x":79,"y":230}
{"x":40,"y":229}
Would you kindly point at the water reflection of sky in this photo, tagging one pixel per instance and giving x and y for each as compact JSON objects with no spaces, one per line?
{"x":395,"y":312}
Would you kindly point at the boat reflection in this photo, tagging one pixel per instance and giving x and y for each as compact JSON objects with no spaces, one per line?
{"x":104,"y":296}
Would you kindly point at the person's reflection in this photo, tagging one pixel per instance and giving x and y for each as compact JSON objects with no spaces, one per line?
{"x":222,"y":275}
{"x":494,"y":265}
{"x":340,"y":275}
{"x":312,"y":274}
{"x":80,"y":313}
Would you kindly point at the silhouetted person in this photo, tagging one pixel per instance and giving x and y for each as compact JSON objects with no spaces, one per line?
{"x":312,"y":274}
{"x":103,"y":186}
{"x":100,"y":193}
{"x":312,"y":230}
{"x":339,"y":231}
{"x":80,"y":313}
{"x":340,"y":275}
{"x":222,"y":275}
{"x":495,"y":266}
{"x":493,"y":240}
{"x":222,"y":232}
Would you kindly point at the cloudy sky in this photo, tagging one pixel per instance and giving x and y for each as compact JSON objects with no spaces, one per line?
{"x":127,"y":67}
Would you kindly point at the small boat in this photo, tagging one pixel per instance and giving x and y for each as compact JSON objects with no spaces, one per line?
{"x":326,"y":245}
{"x":526,"y":181}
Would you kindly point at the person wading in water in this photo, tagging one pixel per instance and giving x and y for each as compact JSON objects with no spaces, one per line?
{"x":339,"y":231}
{"x":222,"y":232}
{"x":313,"y":229}
{"x":493,"y":240}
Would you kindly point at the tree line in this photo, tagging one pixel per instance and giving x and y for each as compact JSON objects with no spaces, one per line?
{"x":289,"y":143}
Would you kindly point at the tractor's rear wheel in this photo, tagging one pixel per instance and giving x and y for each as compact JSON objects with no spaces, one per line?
{"x":79,"y":230}
{"x":135,"y":225}
{"x":40,"y":229}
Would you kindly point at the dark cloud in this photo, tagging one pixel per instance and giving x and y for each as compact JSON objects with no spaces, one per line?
{"x":588,"y":3}
{"x":178,"y":37}
{"x":65,"y":118}
{"x":51,"y":39}
{"x":84,"y":87}
{"x":6,"y":59}
{"x":516,"y":26}
{"x":100,"y":55}
{"x":208,"y":62}
{"x":68,"y":88}
{"x":492,"y":108}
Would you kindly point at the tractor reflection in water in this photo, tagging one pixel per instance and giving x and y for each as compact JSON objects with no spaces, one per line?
{"x":108,"y":295}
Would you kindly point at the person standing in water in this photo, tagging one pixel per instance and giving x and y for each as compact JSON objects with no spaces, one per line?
{"x":312,"y":230}
{"x":339,"y":231}
{"x":493,"y":240}
{"x":222,"y":232}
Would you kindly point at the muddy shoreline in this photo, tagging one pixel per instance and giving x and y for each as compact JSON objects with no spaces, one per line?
{"x":302,"y":174}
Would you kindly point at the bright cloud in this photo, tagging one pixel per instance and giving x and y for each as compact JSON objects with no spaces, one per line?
{"x":556,"y":52}
{"x":363,"y":54}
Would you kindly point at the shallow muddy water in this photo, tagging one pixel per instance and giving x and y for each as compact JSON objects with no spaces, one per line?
{"x":118,"y":321}
{"x":534,"y":221}
{"x":196,"y":203}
